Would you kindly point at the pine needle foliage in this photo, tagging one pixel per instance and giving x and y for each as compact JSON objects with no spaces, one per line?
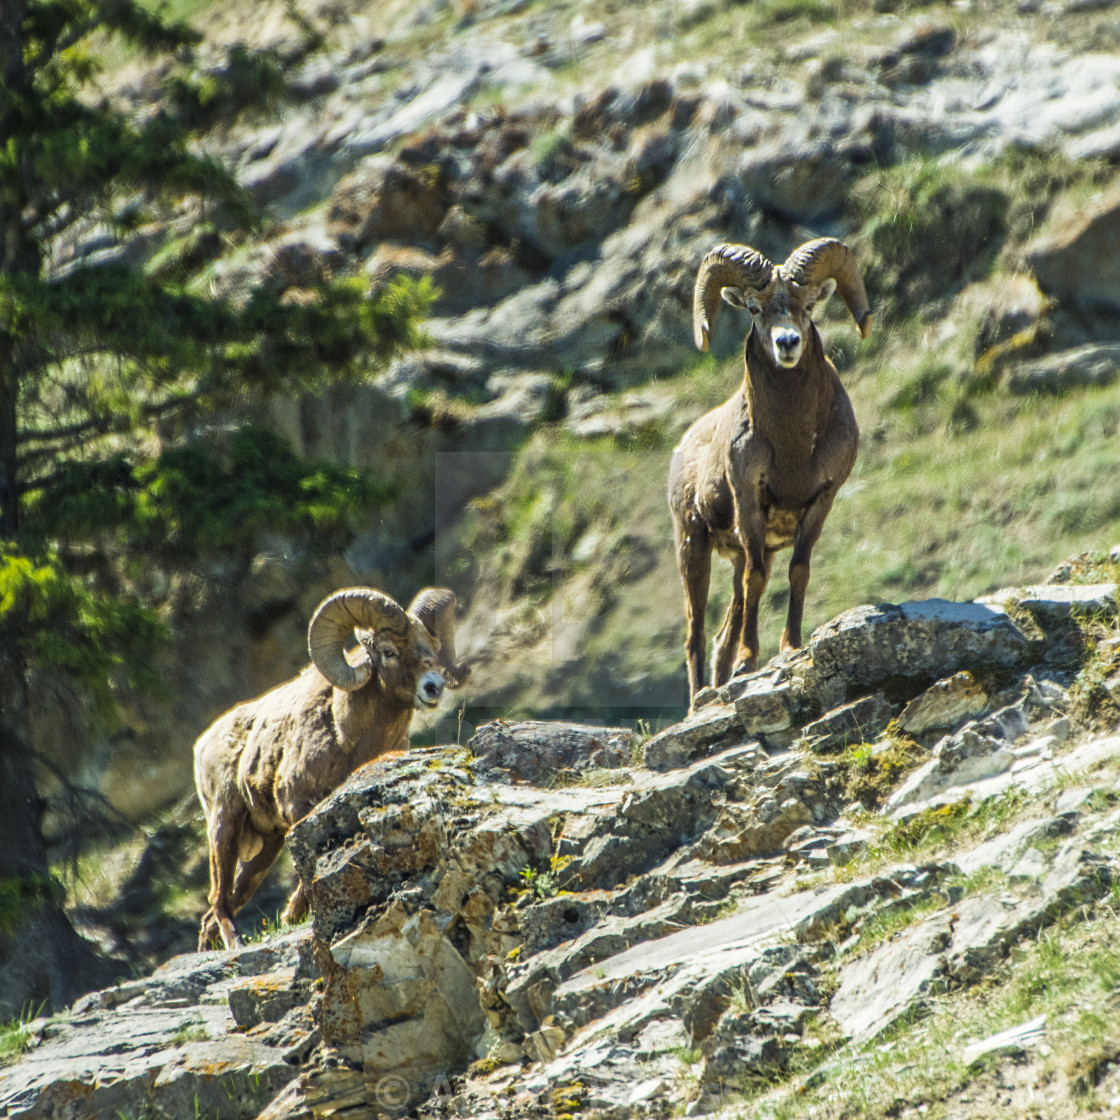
{"x":92,"y":344}
{"x":196,"y":498}
{"x":52,"y":620}
{"x":103,"y":358}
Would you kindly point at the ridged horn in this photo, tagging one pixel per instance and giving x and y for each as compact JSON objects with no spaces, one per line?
{"x":435,"y":608}
{"x":333,"y":624}
{"x":825,"y":258}
{"x":737,"y":266}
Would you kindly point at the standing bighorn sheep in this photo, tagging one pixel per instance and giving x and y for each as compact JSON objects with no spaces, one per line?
{"x":266,"y":763}
{"x":760,"y":472}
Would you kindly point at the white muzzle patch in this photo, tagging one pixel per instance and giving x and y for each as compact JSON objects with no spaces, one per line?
{"x":786,"y":343}
{"x":429,"y":689}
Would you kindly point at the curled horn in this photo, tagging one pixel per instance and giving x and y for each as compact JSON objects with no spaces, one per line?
{"x":435,"y":608}
{"x":825,"y":258}
{"x":333,"y":624}
{"x":736,"y":266}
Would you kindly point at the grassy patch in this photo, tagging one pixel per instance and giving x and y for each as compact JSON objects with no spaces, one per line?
{"x":15,"y":1038}
{"x":190,"y":1032}
{"x":889,"y":921}
{"x":264,"y":929}
{"x":873,"y":770}
{"x":928,"y":227}
{"x":789,"y":11}
{"x":15,"y":1041}
{"x":1067,"y":974}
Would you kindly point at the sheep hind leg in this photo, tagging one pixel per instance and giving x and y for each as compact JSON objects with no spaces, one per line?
{"x":726,"y":643}
{"x":694,"y":560}
{"x":251,"y":874}
{"x":224,"y":834}
{"x":297,"y":907}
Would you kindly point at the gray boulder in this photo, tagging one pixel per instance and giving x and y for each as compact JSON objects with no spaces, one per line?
{"x":1080,"y":260}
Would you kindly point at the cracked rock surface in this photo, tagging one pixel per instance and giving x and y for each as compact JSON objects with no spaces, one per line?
{"x":541,"y":917}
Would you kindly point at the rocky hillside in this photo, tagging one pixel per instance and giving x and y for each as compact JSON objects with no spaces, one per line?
{"x":557,"y":171}
{"x":876,"y":878}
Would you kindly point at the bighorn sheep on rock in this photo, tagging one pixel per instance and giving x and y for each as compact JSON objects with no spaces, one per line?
{"x":266,"y":763}
{"x":760,"y":472}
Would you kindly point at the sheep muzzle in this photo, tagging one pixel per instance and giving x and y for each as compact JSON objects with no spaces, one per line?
{"x":786,"y":342}
{"x":429,"y":690}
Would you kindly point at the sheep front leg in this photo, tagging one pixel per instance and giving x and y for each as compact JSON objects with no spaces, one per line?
{"x":756,"y":573}
{"x":806,"y":537}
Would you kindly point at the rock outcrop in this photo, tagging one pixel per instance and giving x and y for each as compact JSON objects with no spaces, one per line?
{"x":539,"y":916}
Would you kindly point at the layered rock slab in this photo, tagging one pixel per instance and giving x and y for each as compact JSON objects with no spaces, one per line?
{"x":172,"y":1045}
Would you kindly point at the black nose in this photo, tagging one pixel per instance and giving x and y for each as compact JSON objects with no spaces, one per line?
{"x":431,"y":688}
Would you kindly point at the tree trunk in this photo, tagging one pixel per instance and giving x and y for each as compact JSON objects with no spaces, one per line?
{"x":13,"y":259}
{"x":44,"y":964}
{"x":9,"y":444}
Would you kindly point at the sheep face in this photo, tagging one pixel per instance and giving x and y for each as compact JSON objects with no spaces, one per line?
{"x":782,"y":314}
{"x":407,"y":670}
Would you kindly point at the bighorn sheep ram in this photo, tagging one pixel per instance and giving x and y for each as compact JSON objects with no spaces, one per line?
{"x":760,"y":472}
{"x":266,"y":763}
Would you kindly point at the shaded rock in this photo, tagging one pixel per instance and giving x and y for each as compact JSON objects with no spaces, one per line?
{"x":915,"y":60}
{"x":535,"y":751}
{"x":858,"y":722}
{"x":302,"y":259}
{"x":889,"y":982}
{"x":695,"y":736}
{"x":270,"y":585}
{"x":446,"y":271}
{"x":411,"y":999}
{"x":266,"y":999}
{"x":979,"y":750}
{"x":868,"y":647}
{"x":958,"y":946}
{"x":383,"y":199}
{"x":163,"y":1046}
{"x":757,"y":828}
{"x":1015,"y":306}
{"x":815,"y":845}
{"x":670,"y":969}
{"x":762,"y":704}
{"x":1081,"y":259}
{"x":1097,"y":363}
{"x":803,"y":183}
{"x":947,"y":703}
{"x":582,"y":209}
{"x":848,"y":845}
{"x":738,"y":1056}
{"x":1031,"y":866}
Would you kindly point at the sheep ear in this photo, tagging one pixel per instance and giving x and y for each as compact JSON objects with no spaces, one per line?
{"x":367,"y":640}
{"x":735,"y":297}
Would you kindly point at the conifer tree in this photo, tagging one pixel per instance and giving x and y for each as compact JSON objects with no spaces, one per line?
{"x":95,"y":349}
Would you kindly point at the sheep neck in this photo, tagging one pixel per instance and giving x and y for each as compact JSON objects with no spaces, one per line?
{"x":369,"y":723}
{"x":791,"y":406}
